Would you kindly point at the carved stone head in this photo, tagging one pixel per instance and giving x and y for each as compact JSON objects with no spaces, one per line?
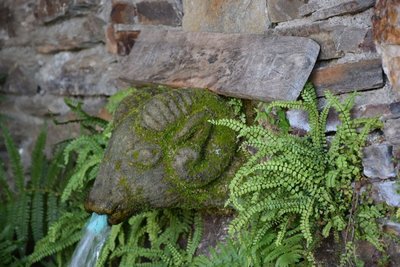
{"x":163,"y":152}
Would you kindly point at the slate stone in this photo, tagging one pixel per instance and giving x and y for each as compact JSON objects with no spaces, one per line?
{"x":348,"y":77}
{"x":50,"y":10}
{"x":120,"y":42}
{"x":160,"y":12}
{"x":239,"y":65}
{"x":71,"y":35}
{"x":368,"y":104}
{"x":334,"y":40}
{"x":26,"y":116}
{"x":392,"y":131}
{"x":368,"y":44}
{"x":6,"y":26}
{"x":225,"y":16}
{"x":284,"y":10}
{"x":385,"y":22}
{"x":378,"y":162}
{"x":88,"y":72}
{"x":308,"y":9}
{"x":386,"y":192}
{"x":43,"y":105}
{"x":123,"y":13}
{"x":386,"y":30}
{"x":20,"y":80}
{"x":393,"y":249}
{"x":350,"y":7}
{"x":215,"y":232}
{"x":19,"y":65}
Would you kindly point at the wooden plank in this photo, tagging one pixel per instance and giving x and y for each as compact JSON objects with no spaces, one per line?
{"x":240,"y":65}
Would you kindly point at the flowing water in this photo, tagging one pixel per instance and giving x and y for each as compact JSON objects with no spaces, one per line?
{"x":89,"y":248}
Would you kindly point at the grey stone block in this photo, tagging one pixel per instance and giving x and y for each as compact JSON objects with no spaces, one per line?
{"x":239,"y":65}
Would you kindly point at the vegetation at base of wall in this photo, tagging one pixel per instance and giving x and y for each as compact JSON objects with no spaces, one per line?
{"x":306,"y":186}
{"x":29,"y":206}
{"x":307,"y":190}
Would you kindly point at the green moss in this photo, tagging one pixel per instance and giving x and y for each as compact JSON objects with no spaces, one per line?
{"x":207,"y":181}
{"x":118,"y":166}
{"x":198,"y":191}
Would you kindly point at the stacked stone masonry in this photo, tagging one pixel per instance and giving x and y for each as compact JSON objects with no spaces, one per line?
{"x":51,"y":49}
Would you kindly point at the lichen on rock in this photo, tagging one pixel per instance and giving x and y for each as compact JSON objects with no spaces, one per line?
{"x":163,"y":152}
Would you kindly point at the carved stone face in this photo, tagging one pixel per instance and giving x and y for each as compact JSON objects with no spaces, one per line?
{"x":162,"y":153}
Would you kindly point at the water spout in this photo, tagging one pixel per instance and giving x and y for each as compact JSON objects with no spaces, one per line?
{"x":88,"y":250}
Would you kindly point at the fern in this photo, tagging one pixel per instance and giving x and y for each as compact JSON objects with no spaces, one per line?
{"x":115,"y":99}
{"x":37,"y":222}
{"x":302,"y":179}
{"x":89,"y":149}
{"x":154,"y":236}
{"x":15,"y":159}
{"x":62,"y":234}
{"x":28,"y":208}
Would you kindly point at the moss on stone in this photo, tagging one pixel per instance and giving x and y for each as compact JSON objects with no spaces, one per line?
{"x":195,"y":160}
{"x":192,"y":192}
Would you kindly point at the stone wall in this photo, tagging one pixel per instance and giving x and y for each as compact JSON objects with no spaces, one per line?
{"x":51,"y":49}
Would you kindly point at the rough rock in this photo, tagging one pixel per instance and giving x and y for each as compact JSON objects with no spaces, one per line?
{"x":391,"y":65}
{"x":377,"y":161}
{"x":44,"y":105}
{"x":366,"y":252}
{"x":392,"y":131}
{"x":6,"y":26}
{"x":347,"y":77}
{"x":386,"y":192}
{"x":148,"y":163}
{"x":394,"y":246}
{"x":120,"y":42}
{"x":48,"y":10}
{"x":215,"y":231}
{"x":385,"y":22}
{"x":335,"y":40}
{"x":368,"y":104}
{"x":239,"y":65}
{"x":159,"y":12}
{"x":225,"y":16}
{"x":19,"y":65}
{"x":349,"y":7}
{"x":386,"y":29}
{"x":51,"y":10}
{"x":71,"y":35}
{"x":123,"y":13}
{"x":88,"y":72}
{"x":309,"y":8}
{"x":26,"y":116}
{"x":20,"y":17}
{"x":284,"y":10}
{"x":20,"y":80}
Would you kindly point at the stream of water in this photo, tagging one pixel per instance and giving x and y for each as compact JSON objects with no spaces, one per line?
{"x":88,"y":250}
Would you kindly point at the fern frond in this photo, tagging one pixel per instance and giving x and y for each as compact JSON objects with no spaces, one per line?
{"x":43,"y":250}
{"x":62,"y":234}
{"x":4,"y":187}
{"x":37,"y":216}
{"x":38,"y":160}
{"x":22,"y":208}
{"x":79,"y":179}
{"x":86,"y":120}
{"x":52,"y":209}
{"x":56,"y":166}
{"x":15,"y":158}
